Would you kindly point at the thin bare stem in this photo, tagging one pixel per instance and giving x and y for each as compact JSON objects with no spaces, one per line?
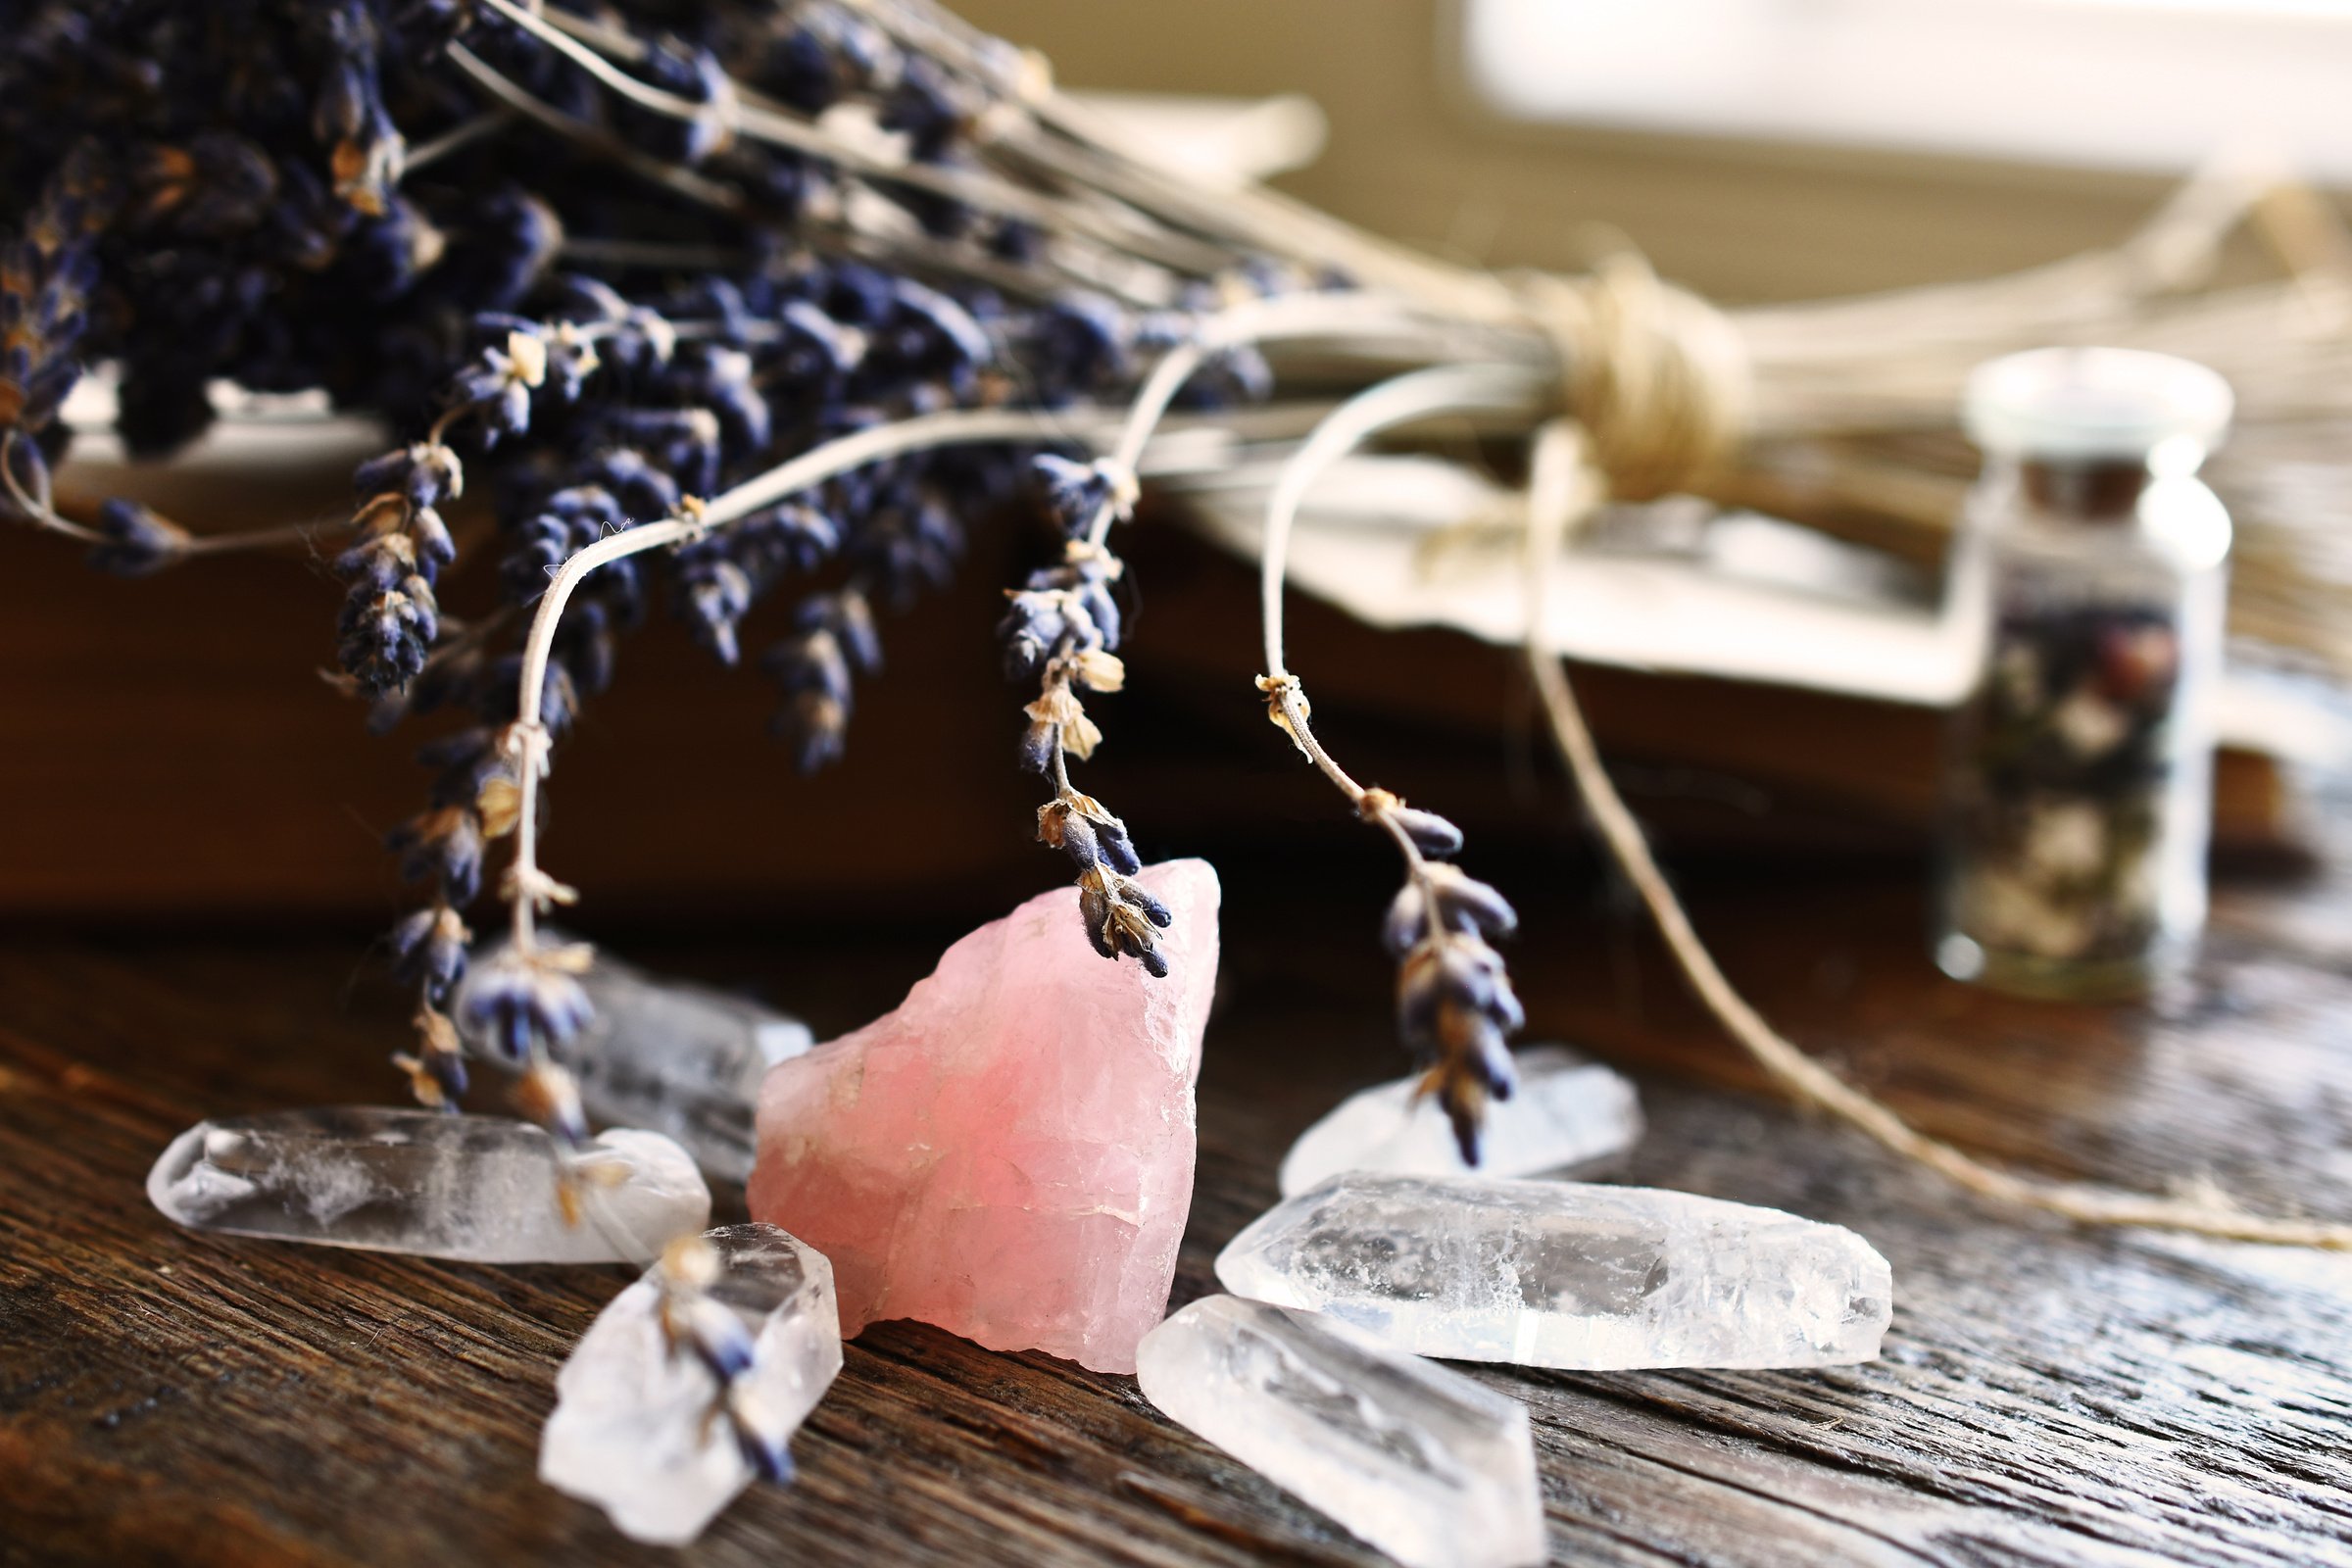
{"x":41,"y":512}
{"x":1561,"y":491}
{"x":1402,"y":400}
{"x":1287,"y":318}
{"x":457,"y":137}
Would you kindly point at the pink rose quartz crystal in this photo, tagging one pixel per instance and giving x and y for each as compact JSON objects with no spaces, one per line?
{"x":1009,"y":1155}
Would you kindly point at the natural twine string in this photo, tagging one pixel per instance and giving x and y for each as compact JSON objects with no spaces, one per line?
{"x":1653,"y":390}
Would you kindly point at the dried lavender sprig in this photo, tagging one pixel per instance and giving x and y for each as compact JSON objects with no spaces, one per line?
{"x":1454,"y":1003}
{"x":1063,"y":626}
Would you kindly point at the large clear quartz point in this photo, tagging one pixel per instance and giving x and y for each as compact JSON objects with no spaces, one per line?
{"x":1432,"y":1468}
{"x":641,"y":1427}
{"x":481,"y":1188}
{"x":674,"y":1057}
{"x":1569,"y":1111}
{"x":1564,"y":1274}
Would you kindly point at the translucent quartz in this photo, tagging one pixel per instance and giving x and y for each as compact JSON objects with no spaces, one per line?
{"x":1563,"y":1274}
{"x":1432,"y":1468}
{"x":635,"y":1429}
{"x":1008,"y":1154}
{"x":481,"y":1188}
{"x":677,"y":1058}
{"x":1568,"y":1111}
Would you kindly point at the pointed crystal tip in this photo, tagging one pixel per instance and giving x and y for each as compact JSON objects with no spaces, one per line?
{"x":1430,"y":1467}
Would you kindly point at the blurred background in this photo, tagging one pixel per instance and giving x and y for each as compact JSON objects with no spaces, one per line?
{"x":168,"y":751}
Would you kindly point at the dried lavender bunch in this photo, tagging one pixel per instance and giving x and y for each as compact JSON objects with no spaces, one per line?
{"x":753,"y":243}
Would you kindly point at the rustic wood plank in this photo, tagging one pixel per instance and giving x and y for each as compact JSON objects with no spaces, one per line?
{"x":2048,"y":1396}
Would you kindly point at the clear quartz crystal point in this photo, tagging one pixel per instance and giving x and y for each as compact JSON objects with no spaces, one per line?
{"x":637,"y":1427}
{"x":1434,"y":1469}
{"x":1569,"y":1111}
{"x":481,"y":1189}
{"x":678,"y":1059}
{"x":1565,"y":1274}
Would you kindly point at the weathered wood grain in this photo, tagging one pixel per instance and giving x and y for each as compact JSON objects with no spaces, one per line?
{"x":2048,"y":1396}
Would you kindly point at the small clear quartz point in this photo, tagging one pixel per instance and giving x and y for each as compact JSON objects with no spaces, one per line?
{"x":480,"y":1189}
{"x":675,"y":1057}
{"x":639,"y":1428}
{"x":1566,"y":1274}
{"x":1569,"y":1111}
{"x":1434,"y":1469}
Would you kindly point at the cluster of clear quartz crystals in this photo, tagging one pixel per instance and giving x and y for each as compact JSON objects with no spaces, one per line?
{"x":1386,"y":1248}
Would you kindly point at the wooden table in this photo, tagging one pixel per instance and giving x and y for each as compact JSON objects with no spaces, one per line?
{"x":2046,"y":1396}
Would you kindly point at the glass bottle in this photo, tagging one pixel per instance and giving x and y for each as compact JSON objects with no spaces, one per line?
{"x":2078,"y":774}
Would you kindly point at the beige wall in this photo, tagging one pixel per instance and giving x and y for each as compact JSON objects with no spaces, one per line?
{"x":1410,"y":154}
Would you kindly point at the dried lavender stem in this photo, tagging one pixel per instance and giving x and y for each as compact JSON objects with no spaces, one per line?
{"x":1401,"y":400}
{"x":488,"y":123}
{"x":1285,"y":318}
{"x":41,"y":512}
{"x":1562,"y":490}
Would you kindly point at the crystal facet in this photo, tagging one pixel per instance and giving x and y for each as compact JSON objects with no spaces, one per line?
{"x":1432,"y":1468}
{"x":1568,"y":1111}
{"x":1008,"y":1154}
{"x":1564,"y":1274}
{"x":481,"y":1188}
{"x":677,"y":1058}
{"x":637,"y":1428}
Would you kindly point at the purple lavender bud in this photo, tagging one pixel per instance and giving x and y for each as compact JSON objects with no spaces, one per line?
{"x":435,"y":548}
{"x":1118,"y":851}
{"x":1430,"y":833}
{"x":814,"y":352}
{"x":1039,"y":742}
{"x":448,"y":1071}
{"x":134,"y":541}
{"x":1094,"y":908}
{"x":714,"y":594}
{"x":390,"y":471}
{"x":1079,"y":842}
{"x":1154,"y":910}
{"x":515,"y":999}
{"x":1408,"y":920}
{"x":1467,"y":905}
{"x":643,"y":489}
{"x":429,"y":951}
{"x":1074,"y":493}
{"x":766,"y":1456}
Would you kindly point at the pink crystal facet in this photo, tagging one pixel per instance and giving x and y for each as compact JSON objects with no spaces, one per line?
{"x":1009,"y":1155}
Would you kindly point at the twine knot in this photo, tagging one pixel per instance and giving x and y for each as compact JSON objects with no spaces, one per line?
{"x":1657,"y":377}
